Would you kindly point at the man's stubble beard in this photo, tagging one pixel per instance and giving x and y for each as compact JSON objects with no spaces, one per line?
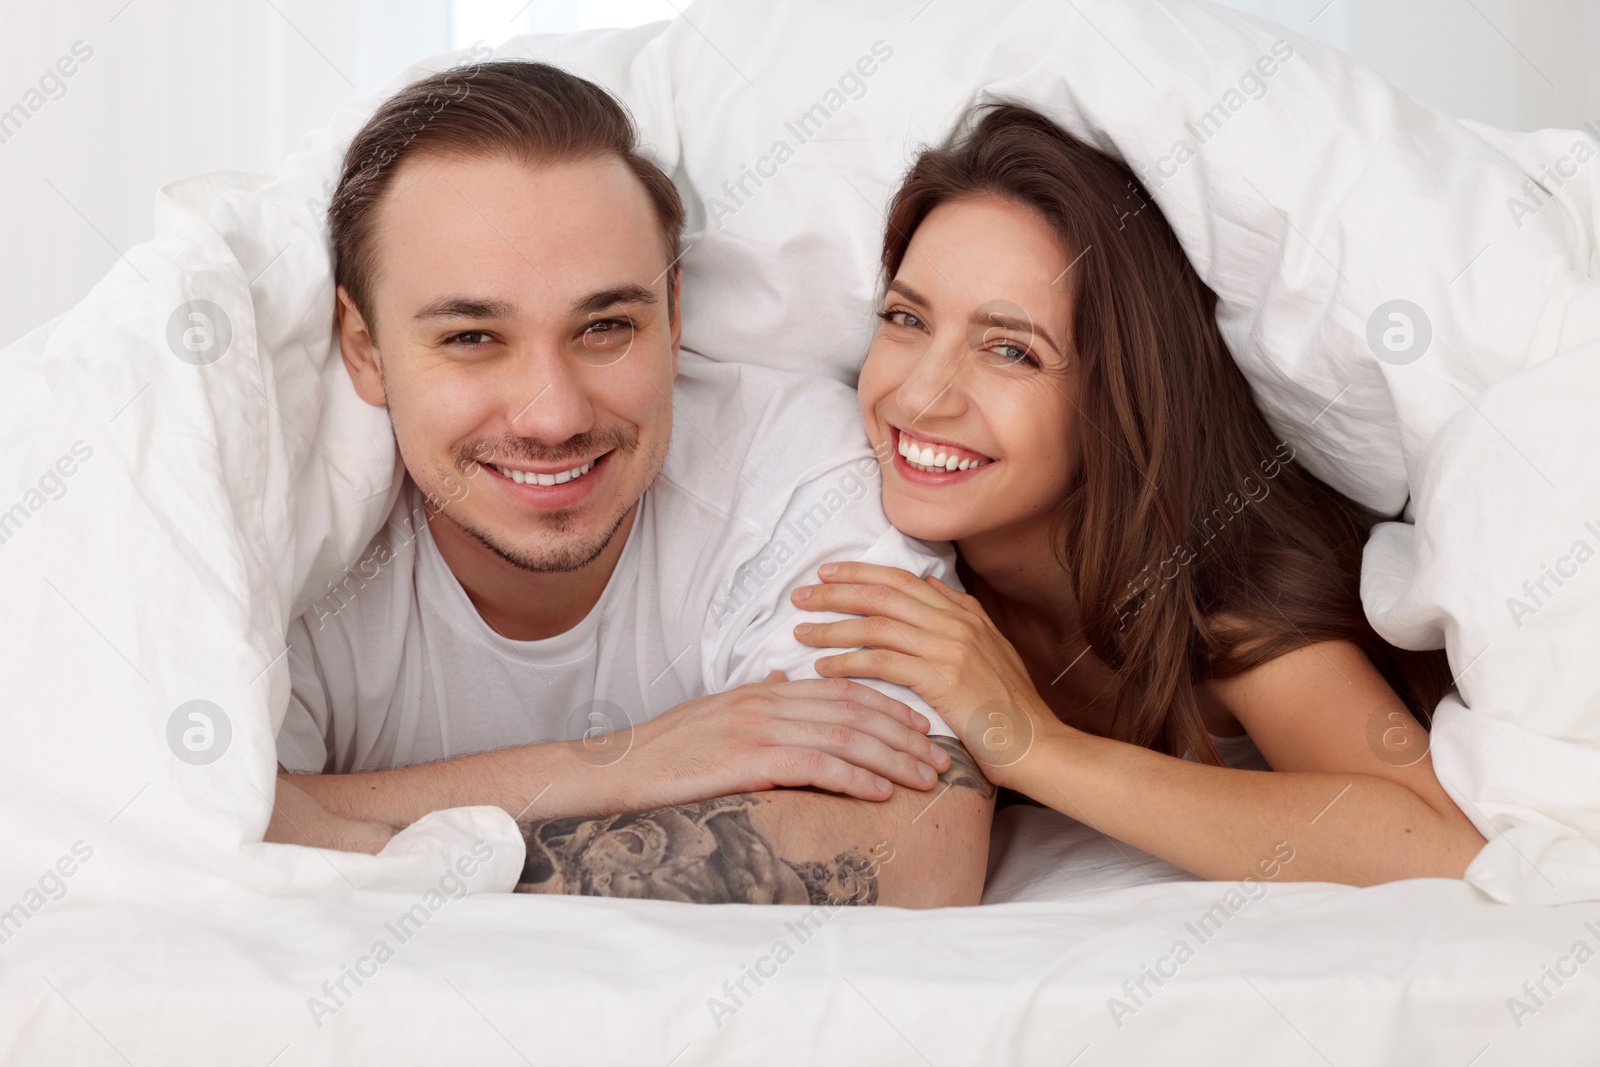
{"x":562,"y":558}
{"x":567,"y":555}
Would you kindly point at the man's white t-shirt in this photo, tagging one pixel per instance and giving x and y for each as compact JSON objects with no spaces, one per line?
{"x":769,"y":475}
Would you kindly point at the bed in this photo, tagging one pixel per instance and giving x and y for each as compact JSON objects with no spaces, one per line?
{"x":1418,"y":972}
{"x":181,"y":495}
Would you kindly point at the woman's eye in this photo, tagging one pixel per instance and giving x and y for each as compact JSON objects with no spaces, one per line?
{"x":1015,"y":354}
{"x":897,"y":317}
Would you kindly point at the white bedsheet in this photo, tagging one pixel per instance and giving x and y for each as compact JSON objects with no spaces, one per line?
{"x":1415,"y":973}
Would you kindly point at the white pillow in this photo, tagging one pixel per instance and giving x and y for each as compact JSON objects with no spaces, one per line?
{"x":1307,"y":210}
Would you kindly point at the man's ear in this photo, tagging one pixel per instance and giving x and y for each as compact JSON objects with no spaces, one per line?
{"x":674,"y":291}
{"x":360,"y":352}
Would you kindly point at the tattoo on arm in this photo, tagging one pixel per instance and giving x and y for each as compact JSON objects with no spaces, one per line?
{"x":963,"y":770}
{"x":704,"y":853}
{"x":708,"y":852}
{"x":850,"y":878}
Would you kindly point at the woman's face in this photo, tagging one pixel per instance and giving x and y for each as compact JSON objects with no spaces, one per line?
{"x":969,"y":388}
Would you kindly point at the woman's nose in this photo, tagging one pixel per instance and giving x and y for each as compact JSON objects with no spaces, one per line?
{"x":933,"y":388}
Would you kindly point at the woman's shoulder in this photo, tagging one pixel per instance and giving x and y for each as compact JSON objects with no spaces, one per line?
{"x":1264,"y":650}
{"x":1316,"y":675}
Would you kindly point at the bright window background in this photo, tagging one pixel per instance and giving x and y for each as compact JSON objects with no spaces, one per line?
{"x":181,"y":87}
{"x":1520,"y":64}
{"x":495,"y":20}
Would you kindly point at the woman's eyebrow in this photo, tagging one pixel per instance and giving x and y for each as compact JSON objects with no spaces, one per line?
{"x":1016,"y":325}
{"x":906,"y":291}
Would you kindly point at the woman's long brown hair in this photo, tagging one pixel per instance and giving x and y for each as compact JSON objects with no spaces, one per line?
{"x":1196,"y":546}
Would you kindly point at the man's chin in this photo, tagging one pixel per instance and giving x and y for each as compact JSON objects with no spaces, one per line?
{"x":562,"y":559}
{"x":554,"y":553}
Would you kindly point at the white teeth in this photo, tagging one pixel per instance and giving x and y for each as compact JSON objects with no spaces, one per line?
{"x":927,"y":458}
{"x":530,"y":478}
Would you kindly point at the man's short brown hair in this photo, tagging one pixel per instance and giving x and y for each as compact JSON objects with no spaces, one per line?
{"x":530,"y":112}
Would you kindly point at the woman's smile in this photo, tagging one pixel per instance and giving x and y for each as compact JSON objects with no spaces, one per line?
{"x":927,"y":460}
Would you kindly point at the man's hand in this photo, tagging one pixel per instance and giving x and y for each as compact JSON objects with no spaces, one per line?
{"x":836,"y":735}
{"x":738,"y":837}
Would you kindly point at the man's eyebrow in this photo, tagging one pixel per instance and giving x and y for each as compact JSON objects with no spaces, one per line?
{"x":465,"y":307}
{"x":621,"y":294}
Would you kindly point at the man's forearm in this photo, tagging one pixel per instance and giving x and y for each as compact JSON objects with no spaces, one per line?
{"x":835,"y":734}
{"x":552,"y":780}
{"x":778,"y":847}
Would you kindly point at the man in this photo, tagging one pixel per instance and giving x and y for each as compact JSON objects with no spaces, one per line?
{"x":565,"y":616}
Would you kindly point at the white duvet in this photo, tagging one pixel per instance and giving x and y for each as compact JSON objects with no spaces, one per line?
{"x":190,"y":467}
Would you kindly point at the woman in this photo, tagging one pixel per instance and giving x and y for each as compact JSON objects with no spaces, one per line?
{"x":1163,"y":605}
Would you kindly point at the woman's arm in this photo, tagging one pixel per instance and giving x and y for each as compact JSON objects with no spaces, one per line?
{"x":1348,"y":807}
{"x":1345,"y":806}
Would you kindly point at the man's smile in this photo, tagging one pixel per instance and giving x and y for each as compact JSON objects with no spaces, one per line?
{"x":549,"y":486}
{"x":545,"y":477}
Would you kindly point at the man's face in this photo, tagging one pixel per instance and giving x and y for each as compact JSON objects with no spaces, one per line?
{"x":522,"y":345}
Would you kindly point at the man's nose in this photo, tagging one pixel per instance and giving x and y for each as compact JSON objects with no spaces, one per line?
{"x":548,"y":399}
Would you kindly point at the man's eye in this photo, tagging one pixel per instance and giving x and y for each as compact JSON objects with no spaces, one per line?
{"x":607,"y":337}
{"x":468,"y":339}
